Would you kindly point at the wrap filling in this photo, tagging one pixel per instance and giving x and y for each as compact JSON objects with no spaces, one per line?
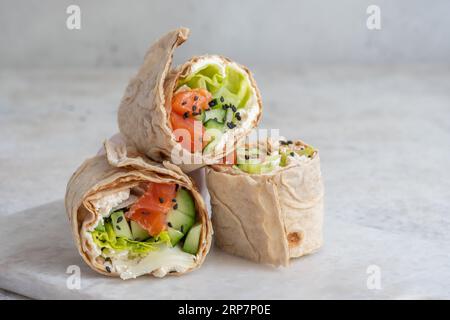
{"x":151,"y":227}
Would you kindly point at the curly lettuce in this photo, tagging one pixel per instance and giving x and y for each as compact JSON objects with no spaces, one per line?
{"x":106,"y":238}
{"x":234,"y":86}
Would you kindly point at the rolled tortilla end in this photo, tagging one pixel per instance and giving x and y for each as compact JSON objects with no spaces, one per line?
{"x":114,"y":180}
{"x":271,"y":217}
{"x":144,"y":115}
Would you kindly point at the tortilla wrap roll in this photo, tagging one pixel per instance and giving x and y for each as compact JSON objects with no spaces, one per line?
{"x":131,"y":216}
{"x":191,"y":115}
{"x":268,"y":206}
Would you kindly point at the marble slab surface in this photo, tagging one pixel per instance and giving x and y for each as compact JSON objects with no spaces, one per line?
{"x":40,"y":249}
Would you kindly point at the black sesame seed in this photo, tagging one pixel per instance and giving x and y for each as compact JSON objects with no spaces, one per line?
{"x":174,"y":200}
{"x":283,"y":143}
{"x":175,"y":207}
{"x":247,"y":157}
{"x":231,"y":125}
{"x":161,"y":200}
{"x":212,"y":103}
{"x":195,"y":98}
{"x":118,"y":227}
{"x":291,"y":154}
{"x":194,"y":107}
{"x":289,"y":142}
{"x":169,"y":224}
{"x":186,"y":115}
{"x":238,"y":116}
{"x":119,"y":219}
{"x":233,"y":107}
{"x":222,"y":99}
{"x":108,"y":269}
{"x":181,"y":229}
{"x":225,"y":106}
{"x":183,"y":103}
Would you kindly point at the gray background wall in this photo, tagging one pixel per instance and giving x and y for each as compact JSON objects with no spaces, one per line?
{"x":267,"y":33}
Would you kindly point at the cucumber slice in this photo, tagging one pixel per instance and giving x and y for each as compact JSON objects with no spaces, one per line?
{"x":200,"y":117}
{"x":215,"y":114}
{"x":191,"y":243}
{"x":214,"y":132}
{"x":180,"y":221}
{"x":283,"y":160}
{"x":120,"y":224}
{"x":185,"y":202}
{"x":254,"y":165}
{"x":175,"y":235}
{"x":213,"y":124}
{"x":139,"y":233}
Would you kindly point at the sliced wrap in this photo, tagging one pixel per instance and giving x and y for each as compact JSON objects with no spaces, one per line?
{"x":268,"y":209}
{"x":219,"y":95}
{"x":120,"y":206}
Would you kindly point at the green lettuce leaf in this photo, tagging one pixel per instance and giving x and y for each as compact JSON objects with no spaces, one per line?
{"x":234,"y":87}
{"x":106,"y":238}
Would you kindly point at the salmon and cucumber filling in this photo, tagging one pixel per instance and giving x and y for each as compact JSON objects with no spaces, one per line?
{"x":151,"y":226}
{"x":212,"y":99}
{"x":268,"y":157}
